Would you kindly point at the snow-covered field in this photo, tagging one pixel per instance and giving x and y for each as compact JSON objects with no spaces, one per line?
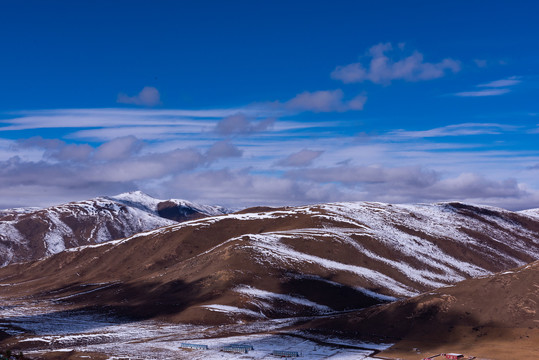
{"x":42,"y":329}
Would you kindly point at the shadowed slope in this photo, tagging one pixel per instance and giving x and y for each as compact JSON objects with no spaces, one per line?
{"x":494,"y":316}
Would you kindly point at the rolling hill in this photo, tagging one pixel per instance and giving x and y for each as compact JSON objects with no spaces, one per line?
{"x":493,"y":316}
{"x":274,"y":263}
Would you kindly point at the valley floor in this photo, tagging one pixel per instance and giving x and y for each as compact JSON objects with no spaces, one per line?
{"x":38,"y":328}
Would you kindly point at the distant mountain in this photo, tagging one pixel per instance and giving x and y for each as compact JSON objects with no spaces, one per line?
{"x":32,"y":233}
{"x":273,"y":263}
{"x":173,"y":209}
{"x":530,"y":212}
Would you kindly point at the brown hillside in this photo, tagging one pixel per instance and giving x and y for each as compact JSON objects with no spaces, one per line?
{"x":494,"y":317}
{"x":286,"y":262}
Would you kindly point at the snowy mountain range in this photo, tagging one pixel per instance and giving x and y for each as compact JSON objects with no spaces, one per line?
{"x":32,"y":233}
{"x":287,"y":262}
{"x":382,"y":273}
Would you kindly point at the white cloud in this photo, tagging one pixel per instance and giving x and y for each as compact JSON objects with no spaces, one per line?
{"x":144,"y":167}
{"x":466,"y":129}
{"x":325,"y":101}
{"x":222,"y":149}
{"x":357,"y":102}
{"x":188,"y":157}
{"x":150,"y":124}
{"x":474,"y":186}
{"x":480,"y":63}
{"x":480,"y":93}
{"x":494,"y":88}
{"x":119,"y":148}
{"x":72,"y":152}
{"x":227,"y":187}
{"x":301,"y":158}
{"x":148,"y":96}
{"x":117,"y":165}
{"x":380,"y":170}
{"x":370,"y":175}
{"x":510,"y":81}
{"x":382,"y":69}
{"x":415,"y":184}
{"x":53,"y":149}
{"x":240,"y":123}
{"x":141,"y":132}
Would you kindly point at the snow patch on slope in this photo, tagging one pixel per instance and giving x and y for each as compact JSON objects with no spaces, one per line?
{"x":263,"y":294}
{"x":269,"y":247}
{"x":233,"y":310}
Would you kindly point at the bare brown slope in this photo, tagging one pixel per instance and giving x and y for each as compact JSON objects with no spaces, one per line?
{"x":494,"y":317}
{"x":286,"y":262}
{"x":169,"y":268}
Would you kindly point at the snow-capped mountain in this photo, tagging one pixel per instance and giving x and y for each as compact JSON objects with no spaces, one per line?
{"x":173,"y":209}
{"x":31,"y":233}
{"x":284,"y":262}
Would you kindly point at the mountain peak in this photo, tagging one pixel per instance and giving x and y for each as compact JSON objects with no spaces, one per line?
{"x":137,"y":194}
{"x":137,"y":199}
{"x":172,"y":209}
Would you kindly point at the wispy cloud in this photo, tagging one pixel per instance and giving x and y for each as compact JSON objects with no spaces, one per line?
{"x":466,"y":129}
{"x":151,"y":124}
{"x":154,"y":124}
{"x":493,"y":88}
{"x":148,"y":96}
{"x":510,"y":81}
{"x":381,"y":69}
{"x":486,"y":92}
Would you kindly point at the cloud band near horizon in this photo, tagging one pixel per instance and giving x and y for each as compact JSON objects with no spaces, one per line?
{"x":237,"y":160}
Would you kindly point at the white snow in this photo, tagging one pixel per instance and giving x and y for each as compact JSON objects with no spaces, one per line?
{"x":232,"y":309}
{"x":262,"y":294}
{"x":149,"y":204}
{"x":54,"y":237}
{"x":105,"y":285}
{"x":375,"y":295}
{"x":530,"y":212}
{"x":269,"y":246}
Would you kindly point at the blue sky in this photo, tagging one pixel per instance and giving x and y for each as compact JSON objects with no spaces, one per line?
{"x":278,"y":102}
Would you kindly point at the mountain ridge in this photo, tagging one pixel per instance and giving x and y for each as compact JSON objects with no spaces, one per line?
{"x":31,"y":233}
{"x":289,"y":261}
